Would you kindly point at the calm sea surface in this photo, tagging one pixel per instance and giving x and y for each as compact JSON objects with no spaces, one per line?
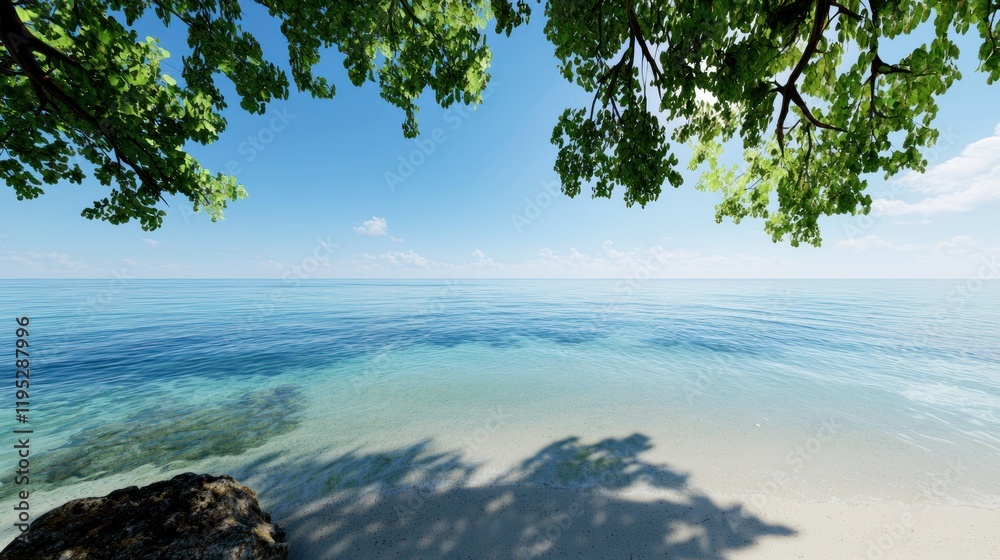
{"x":811,"y":390}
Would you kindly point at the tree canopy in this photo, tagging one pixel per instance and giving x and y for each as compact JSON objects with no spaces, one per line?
{"x":801,"y":84}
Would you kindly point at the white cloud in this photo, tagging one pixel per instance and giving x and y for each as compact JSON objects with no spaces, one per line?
{"x":958,"y":185}
{"x":606,"y":262}
{"x":407,"y":259}
{"x":375,"y":227}
{"x":960,"y":247}
{"x":606,"y":247}
{"x":865,"y":243}
{"x":396,"y":239}
{"x":483,"y":262}
{"x":869,"y":242}
{"x":574,"y":260}
{"x":149,"y":267}
{"x":647,"y":262}
{"x":307,"y":267}
{"x":51,"y":260}
{"x":964,"y":247}
{"x":151,"y":242}
{"x":609,"y":260}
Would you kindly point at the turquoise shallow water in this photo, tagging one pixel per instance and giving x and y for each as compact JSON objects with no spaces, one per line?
{"x":729,"y":382}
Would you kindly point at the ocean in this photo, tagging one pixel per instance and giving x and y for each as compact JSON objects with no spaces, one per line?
{"x":809,"y":390}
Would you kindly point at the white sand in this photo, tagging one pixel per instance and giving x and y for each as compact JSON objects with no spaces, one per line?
{"x":505,"y":519}
{"x":710,"y":505}
{"x":533,"y":522}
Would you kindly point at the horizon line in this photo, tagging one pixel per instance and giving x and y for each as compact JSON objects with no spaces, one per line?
{"x":446,"y":279}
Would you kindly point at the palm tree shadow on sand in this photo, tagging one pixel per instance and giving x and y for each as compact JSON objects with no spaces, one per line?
{"x":560,"y":503}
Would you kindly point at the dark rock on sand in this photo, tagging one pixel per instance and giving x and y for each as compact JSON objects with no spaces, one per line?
{"x":190,"y":516}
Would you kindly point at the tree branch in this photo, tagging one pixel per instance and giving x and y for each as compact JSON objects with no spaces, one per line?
{"x":419,"y":22}
{"x":801,"y":104}
{"x":612,"y":73}
{"x":841,"y":9}
{"x":812,"y":43}
{"x":22,"y":45}
{"x":636,"y":32}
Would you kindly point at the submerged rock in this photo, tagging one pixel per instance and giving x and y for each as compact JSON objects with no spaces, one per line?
{"x":190,"y":516}
{"x":169,"y":432}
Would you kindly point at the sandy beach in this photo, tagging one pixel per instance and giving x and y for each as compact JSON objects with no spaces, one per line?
{"x":519,"y":522}
{"x":521,"y":494}
{"x":616,"y":497}
{"x":462,"y":518}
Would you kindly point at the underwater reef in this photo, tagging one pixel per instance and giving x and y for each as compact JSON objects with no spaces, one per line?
{"x":170,"y":433}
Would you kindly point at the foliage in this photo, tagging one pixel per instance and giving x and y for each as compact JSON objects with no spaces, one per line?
{"x":800,"y":83}
{"x":79,"y":81}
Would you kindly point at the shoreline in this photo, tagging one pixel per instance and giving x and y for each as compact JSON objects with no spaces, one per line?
{"x":505,"y":486}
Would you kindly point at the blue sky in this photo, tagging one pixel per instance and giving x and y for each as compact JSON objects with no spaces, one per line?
{"x":476,"y":197}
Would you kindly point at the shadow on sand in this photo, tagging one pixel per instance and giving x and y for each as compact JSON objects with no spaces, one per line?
{"x":414,"y":503}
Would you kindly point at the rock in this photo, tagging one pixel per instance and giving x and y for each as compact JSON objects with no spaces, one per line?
{"x":191,"y":516}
